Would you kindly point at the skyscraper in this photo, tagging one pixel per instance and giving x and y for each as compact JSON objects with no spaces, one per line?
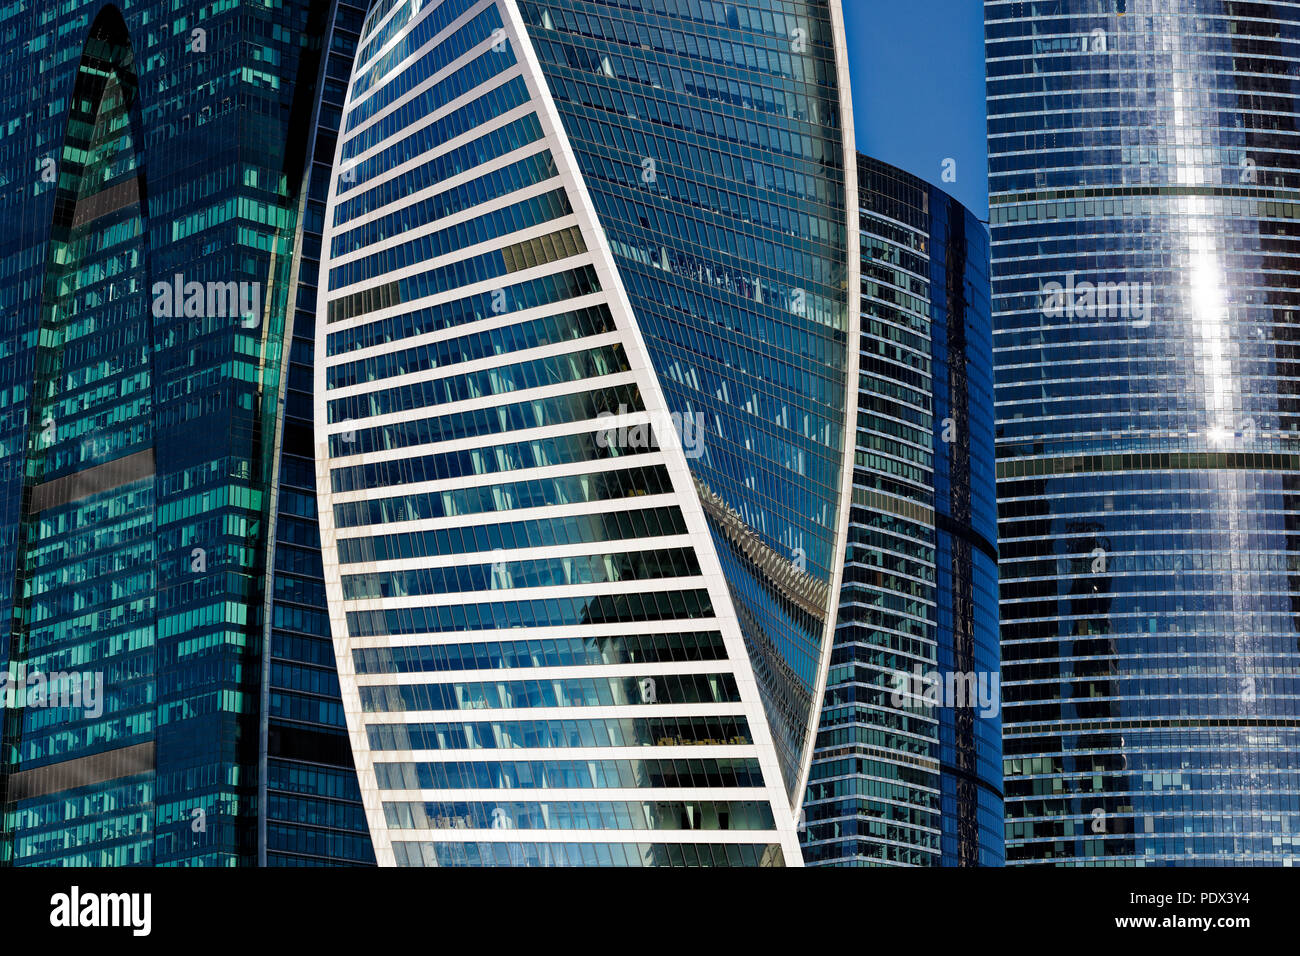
{"x":151,"y":182}
{"x":1144,"y":194}
{"x":582,"y":389}
{"x":904,"y":774}
{"x":311,"y":806}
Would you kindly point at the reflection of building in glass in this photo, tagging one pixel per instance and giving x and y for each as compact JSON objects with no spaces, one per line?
{"x":553,"y":225}
{"x":1144,"y":195}
{"x":894,"y":781}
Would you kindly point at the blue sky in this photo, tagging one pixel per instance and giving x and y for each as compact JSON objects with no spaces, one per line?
{"x":918,"y":89}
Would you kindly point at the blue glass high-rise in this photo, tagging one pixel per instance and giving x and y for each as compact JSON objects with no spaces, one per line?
{"x":899,"y":778}
{"x":311,"y":808}
{"x":711,"y":138}
{"x":1144,"y":196}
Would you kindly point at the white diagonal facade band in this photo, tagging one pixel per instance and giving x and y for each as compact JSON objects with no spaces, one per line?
{"x":539,"y":657}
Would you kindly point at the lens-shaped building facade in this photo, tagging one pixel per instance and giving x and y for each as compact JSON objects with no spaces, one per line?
{"x":582,"y":390}
{"x":1144,"y":198}
{"x":905,"y":773}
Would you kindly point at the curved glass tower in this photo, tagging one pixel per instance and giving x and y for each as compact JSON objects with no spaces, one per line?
{"x":901,"y":777}
{"x":1144,"y":195}
{"x":581,"y":393}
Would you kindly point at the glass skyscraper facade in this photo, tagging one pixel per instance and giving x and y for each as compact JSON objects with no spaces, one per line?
{"x":581,"y":385}
{"x":899,"y":777}
{"x":312,"y":812}
{"x":1144,"y":198}
{"x":152,"y":168}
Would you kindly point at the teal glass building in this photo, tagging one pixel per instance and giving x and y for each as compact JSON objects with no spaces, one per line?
{"x":169,"y":693}
{"x":582,"y":389}
{"x":899,"y":777}
{"x":1144,"y":196}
